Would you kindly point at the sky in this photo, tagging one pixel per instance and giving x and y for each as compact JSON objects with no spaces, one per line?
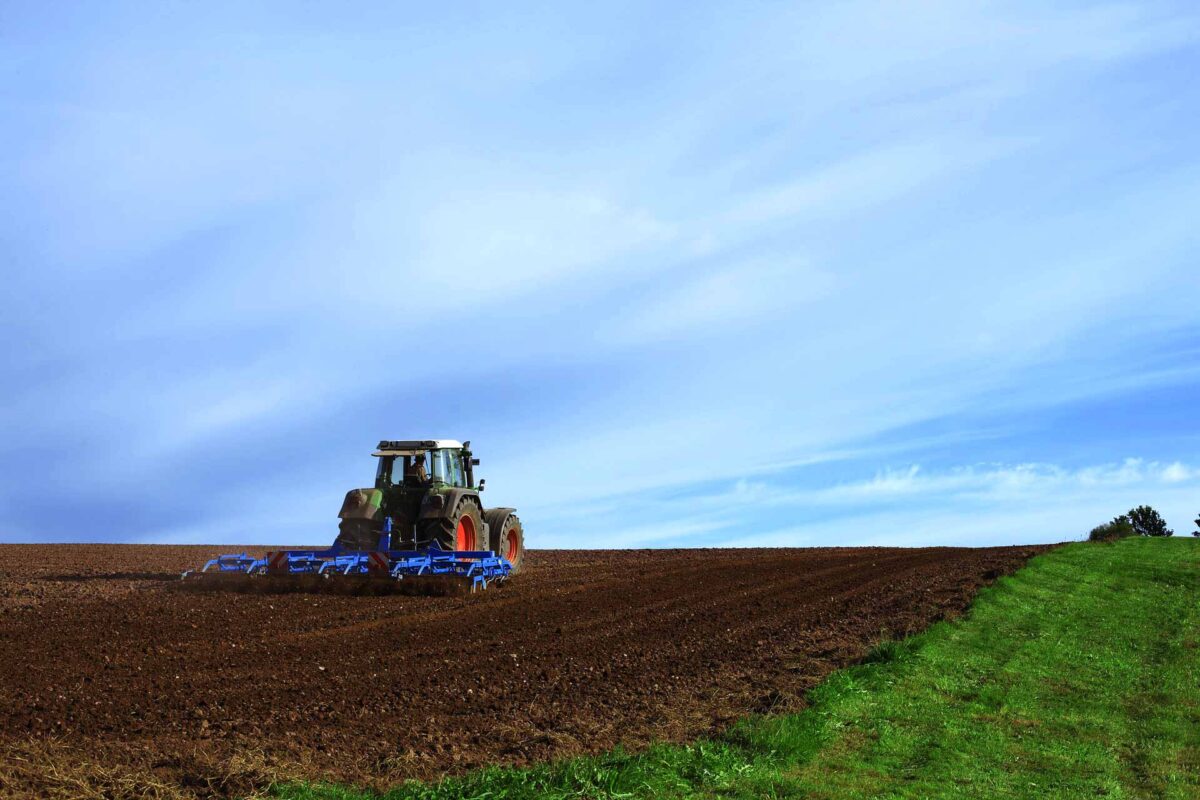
{"x":686,"y":274}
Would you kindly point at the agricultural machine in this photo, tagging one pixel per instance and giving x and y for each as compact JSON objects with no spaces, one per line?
{"x":421,"y":527}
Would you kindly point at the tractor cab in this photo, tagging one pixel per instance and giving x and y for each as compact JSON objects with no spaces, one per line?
{"x":426,"y":496}
{"x":426,"y":464}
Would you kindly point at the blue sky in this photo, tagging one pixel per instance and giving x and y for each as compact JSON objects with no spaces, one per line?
{"x":686,"y":274}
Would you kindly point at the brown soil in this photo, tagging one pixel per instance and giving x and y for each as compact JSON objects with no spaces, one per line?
{"x":113,"y":682}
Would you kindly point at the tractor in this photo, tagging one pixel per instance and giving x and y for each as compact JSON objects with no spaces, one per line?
{"x":420,"y":528}
{"x":427,"y":490}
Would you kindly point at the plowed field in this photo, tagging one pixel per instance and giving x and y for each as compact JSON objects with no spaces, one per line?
{"x":114,"y":680}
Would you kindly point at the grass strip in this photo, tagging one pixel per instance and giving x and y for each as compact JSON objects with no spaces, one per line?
{"x":1077,"y":677}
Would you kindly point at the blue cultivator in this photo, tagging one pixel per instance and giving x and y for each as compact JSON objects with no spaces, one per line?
{"x":334,"y":569}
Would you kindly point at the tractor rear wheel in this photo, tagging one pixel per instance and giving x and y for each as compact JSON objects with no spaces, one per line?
{"x":462,"y":530}
{"x":507,"y":536}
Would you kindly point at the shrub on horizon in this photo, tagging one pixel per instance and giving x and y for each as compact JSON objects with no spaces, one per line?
{"x":1148,"y":522}
{"x":1119,"y":528}
{"x":1197,"y":531}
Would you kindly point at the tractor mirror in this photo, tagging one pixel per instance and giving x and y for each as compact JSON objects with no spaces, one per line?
{"x":474,"y":462}
{"x":482,"y":481}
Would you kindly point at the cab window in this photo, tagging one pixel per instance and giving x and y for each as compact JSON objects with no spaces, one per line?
{"x":447,"y":467}
{"x":384,"y":475}
{"x":455,"y":468}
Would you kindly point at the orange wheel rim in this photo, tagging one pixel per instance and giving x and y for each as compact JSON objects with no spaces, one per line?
{"x":464,"y":534}
{"x":514,"y":545}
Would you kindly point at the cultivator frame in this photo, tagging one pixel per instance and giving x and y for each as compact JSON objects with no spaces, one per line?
{"x":362,"y":571}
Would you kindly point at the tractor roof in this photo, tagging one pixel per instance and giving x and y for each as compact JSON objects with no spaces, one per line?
{"x":408,"y":447}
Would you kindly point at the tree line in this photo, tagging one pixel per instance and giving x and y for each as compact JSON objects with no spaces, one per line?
{"x":1140,"y":521}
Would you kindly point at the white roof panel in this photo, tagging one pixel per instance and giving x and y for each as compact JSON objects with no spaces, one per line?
{"x":408,"y":447}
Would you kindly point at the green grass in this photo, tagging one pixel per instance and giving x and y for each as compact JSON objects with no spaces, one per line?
{"x":1077,"y":677}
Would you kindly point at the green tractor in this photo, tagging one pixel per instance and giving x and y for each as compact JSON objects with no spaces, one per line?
{"x":428,"y":491}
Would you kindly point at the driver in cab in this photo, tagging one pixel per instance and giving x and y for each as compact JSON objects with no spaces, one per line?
{"x":415,"y":471}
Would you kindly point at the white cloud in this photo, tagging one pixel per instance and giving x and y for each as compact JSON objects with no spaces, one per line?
{"x":980,"y":482}
{"x":488,"y":243}
{"x":1178,"y":473}
{"x":716,"y":302}
{"x":863,"y":180}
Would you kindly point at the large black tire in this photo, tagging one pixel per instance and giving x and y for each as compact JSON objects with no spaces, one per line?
{"x":358,"y":534}
{"x":461,"y":530}
{"x":506,"y":535}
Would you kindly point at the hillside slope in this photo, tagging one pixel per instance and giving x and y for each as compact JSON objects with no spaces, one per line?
{"x":1078,"y":677}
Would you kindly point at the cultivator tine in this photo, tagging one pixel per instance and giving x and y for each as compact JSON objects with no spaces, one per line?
{"x":239,"y":564}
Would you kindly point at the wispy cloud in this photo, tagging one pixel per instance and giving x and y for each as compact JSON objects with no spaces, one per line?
{"x":241,"y":247}
{"x":979,"y":482}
